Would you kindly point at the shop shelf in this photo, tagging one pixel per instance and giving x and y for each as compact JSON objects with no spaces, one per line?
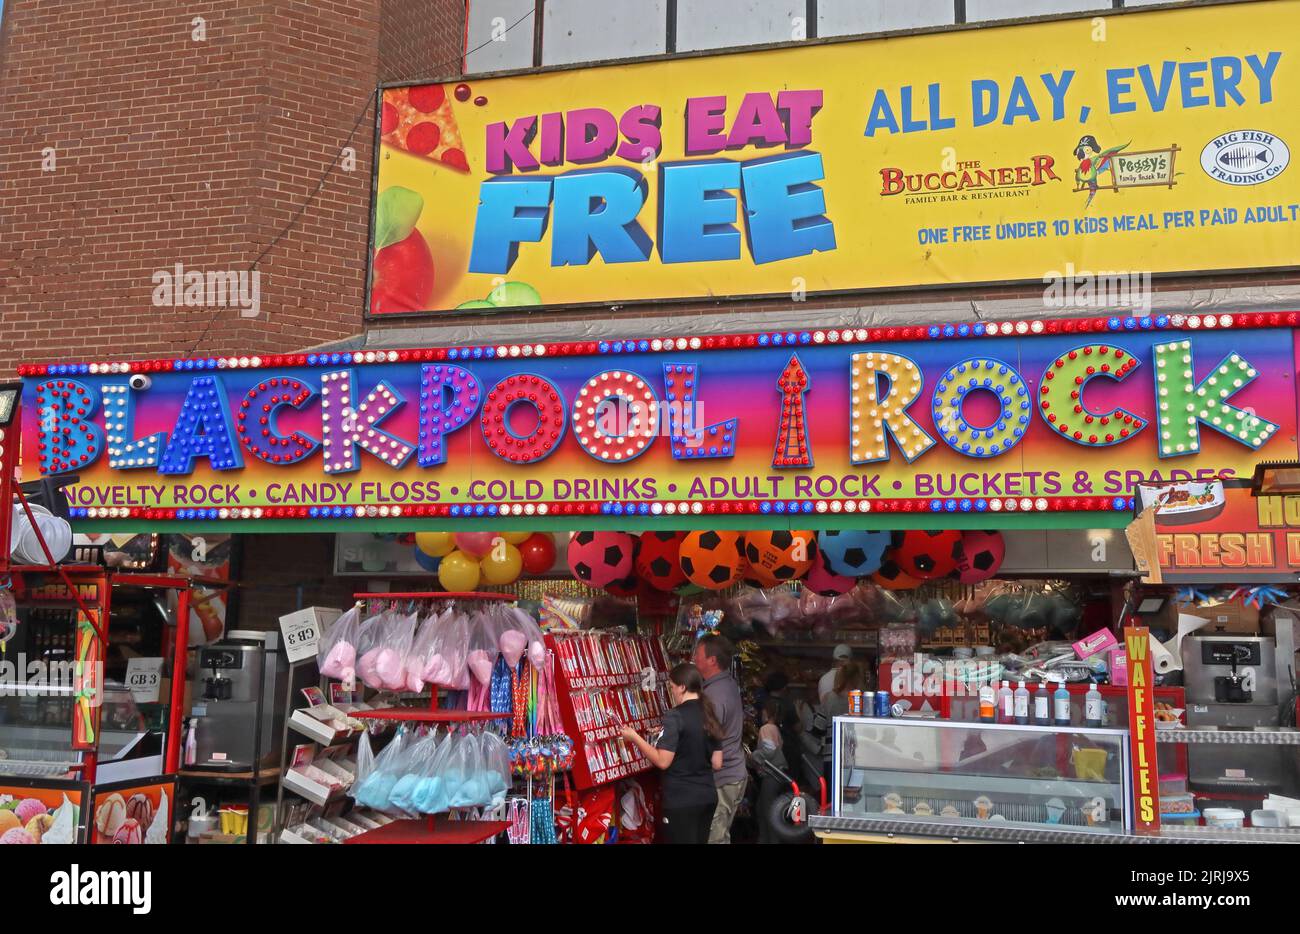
{"x":438,"y":830}
{"x":317,"y":730}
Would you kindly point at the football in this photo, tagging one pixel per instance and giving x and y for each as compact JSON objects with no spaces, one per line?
{"x":821,"y":581}
{"x":600,"y":558}
{"x":852,"y":552}
{"x":624,"y":588}
{"x":781,"y":555}
{"x":658,"y":559}
{"x":891,"y":577}
{"x":979,"y":556}
{"x":928,"y":553}
{"x":712,"y":559}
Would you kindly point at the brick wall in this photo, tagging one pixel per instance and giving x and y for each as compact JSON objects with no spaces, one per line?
{"x":167,"y":149}
{"x":282,"y":573}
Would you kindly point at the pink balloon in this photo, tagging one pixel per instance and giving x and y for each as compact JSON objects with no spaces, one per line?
{"x":475,"y":544}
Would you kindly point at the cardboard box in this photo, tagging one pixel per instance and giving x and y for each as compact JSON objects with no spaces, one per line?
{"x":1235,"y":618}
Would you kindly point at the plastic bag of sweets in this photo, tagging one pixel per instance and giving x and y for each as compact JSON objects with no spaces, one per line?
{"x":447,"y":666}
{"x":403,"y":794}
{"x":390,"y":664}
{"x":365,"y":758}
{"x":431,"y":793}
{"x":369,"y":642}
{"x":427,"y":653}
{"x":483,"y":648}
{"x":421,"y":648}
{"x":496,"y":764}
{"x":473,"y":790}
{"x":528,"y":626}
{"x":337,"y":652}
{"x":373,"y":791}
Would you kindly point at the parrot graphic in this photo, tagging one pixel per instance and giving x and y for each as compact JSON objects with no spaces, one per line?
{"x":1093,"y":161}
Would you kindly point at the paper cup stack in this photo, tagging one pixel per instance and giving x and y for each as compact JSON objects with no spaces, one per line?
{"x":25,"y":547}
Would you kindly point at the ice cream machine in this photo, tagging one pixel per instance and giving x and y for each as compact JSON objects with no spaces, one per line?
{"x":1240,"y":682}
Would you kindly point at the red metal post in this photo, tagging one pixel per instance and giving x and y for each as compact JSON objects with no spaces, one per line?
{"x":180,"y":643}
{"x":10,"y":442}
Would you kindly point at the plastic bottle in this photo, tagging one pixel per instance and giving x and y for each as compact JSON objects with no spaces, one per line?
{"x":1006,"y":704}
{"x":1092,"y":713}
{"x":1043,"y":704}
{"x":1061,"y":704}
{"x":1022,"y":703}
{"x":988,"y":704}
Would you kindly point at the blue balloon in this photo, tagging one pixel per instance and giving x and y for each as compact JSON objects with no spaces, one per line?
{"x":853,"y":552}
{"x":428,"y":562}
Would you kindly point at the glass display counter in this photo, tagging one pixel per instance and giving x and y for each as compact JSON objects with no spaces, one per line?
{"x":987,"y":780}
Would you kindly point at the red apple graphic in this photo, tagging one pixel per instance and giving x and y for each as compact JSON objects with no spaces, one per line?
{"x":402,"y":274}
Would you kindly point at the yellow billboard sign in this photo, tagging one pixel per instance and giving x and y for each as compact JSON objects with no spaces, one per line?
{"x":1151,"y":142}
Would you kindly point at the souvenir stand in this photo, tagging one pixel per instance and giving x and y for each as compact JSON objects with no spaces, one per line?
{"x":118,"y":772}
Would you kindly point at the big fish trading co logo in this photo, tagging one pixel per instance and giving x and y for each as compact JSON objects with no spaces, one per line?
{"x":1245,"y":157}
{"x":968,"y":181}
{"x":1116,"y":167}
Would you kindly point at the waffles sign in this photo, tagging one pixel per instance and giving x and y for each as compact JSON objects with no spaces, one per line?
{"x":971,"y":419}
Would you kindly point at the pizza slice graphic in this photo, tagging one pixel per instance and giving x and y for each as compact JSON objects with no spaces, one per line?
{"x":419,"y":120}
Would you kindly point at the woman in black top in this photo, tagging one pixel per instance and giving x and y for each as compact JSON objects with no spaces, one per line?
{"x":688,"y":752}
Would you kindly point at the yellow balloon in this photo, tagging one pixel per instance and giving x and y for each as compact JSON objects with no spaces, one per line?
{"x":516,"y":538}
{"x":458,"y":572}
{"x":502,"y":564}
{"x":434,"y":544}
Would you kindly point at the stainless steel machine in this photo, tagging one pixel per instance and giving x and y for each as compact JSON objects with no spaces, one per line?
{"x":1240,"y":682}
{"x":238,"y":717}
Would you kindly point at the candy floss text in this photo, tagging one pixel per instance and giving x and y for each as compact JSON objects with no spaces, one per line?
{"x":962,"y":404}
{"x":597,"y":210}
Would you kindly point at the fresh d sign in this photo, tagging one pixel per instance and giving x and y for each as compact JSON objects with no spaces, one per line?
{"x":1245,"y":157}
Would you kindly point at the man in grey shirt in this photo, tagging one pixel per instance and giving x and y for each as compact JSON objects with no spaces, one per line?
{"x":713,"y":658}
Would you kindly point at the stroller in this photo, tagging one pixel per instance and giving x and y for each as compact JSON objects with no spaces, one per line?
{"x":786,"y":815}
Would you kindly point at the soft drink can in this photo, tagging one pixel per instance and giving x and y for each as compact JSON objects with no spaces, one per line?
{"x":855,"y":703}
{"x":882,"y":704}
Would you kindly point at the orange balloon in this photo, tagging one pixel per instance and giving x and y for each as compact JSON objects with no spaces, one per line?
{"x":713,"y":560}
{"x":779,"y":555}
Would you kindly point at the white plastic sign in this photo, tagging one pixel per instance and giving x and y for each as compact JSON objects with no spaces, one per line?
{"x":144,"y":679}
{"x":302,"y":629}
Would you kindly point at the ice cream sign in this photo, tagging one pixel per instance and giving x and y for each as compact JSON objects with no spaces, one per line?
{"x":1073,"y":413}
